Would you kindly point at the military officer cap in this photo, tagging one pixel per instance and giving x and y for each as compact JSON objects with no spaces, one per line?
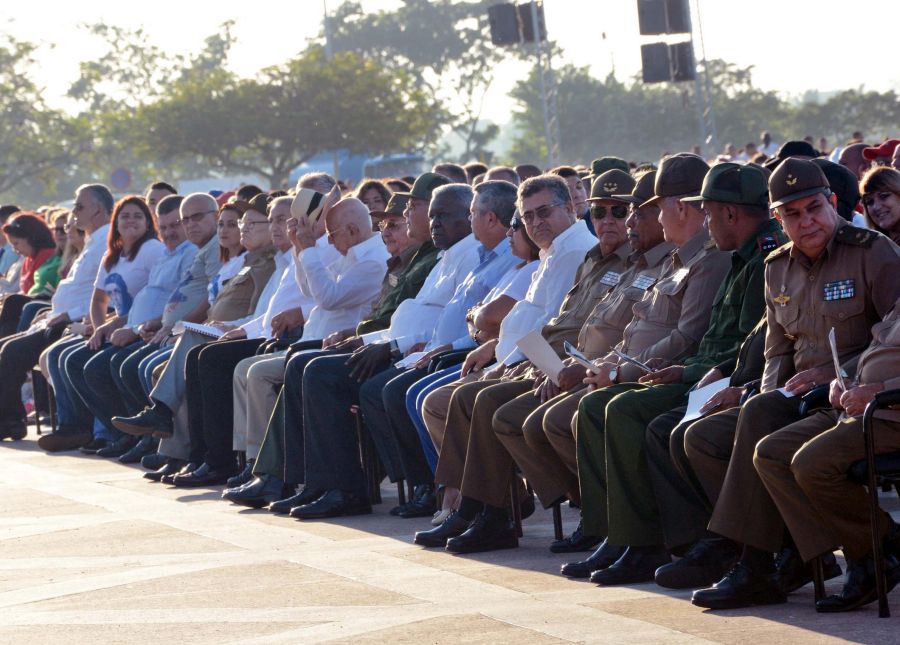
{"x":394,"y":209}
{"x":733,"y":183}
{"x":795,"y":179}
{"x":609,"y":184}
{"x":425,"y":185}
{"x":601,"y":165}
{"x":643,"y":189}
{"x":679,"y":174}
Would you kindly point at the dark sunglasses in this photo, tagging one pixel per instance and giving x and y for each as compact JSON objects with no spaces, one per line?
{"x":516,"y":224}
{"x":618,"y":211}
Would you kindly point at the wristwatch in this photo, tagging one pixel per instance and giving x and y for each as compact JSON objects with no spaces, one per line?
{"x":614,"y":375}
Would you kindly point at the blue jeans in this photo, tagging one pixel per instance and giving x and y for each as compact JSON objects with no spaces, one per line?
{"x":415,"y":397}
{"x":71,"y":412}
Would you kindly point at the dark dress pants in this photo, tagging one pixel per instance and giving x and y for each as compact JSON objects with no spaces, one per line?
{"x":10,"y":313}
{"x":382,"y":400}
{"x":18,"y":355}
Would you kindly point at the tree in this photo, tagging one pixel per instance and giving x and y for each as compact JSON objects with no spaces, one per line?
{"x":444,"y":45}
{"x":291,"y":112}
{"x":35,"y":141}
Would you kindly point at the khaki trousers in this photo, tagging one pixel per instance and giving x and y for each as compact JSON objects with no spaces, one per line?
{"x":804,"y":468}
{"x":708,"y":444}
{"x":256,"y":381}
{"x":436,"y":406}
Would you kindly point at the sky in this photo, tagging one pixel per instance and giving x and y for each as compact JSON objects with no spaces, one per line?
{"x":794,"y":45}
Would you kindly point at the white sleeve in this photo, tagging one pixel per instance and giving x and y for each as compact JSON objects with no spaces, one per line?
{"x":359,"y":285}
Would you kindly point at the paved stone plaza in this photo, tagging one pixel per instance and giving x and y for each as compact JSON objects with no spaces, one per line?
{"x":92,"y":553}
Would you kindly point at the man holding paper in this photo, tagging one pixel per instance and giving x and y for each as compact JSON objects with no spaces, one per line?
{"x":830,"y":275}
{"x":735,"y":201}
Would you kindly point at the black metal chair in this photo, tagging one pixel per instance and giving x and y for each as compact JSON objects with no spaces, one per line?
{"x":371,"y":464}
{"x":877,"y":472}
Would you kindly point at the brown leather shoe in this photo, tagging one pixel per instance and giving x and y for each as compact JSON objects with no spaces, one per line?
{"x":62,"y":441}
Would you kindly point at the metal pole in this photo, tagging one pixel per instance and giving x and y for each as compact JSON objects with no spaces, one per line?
{"x":708,"y":95}
{"x":538,"y":52}
{"x":699,"y":102}
{"x":328,"y":56}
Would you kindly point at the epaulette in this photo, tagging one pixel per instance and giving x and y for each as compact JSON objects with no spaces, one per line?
{"x":709,"y":245}
{"x":856,"y":236}
{"x":781,"y":250}
{"x":767,"y":243}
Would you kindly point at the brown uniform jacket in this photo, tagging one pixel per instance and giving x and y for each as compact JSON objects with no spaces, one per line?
{"x":603,"y":327}
{"x":850,"y":286}
{"x":880,"y":362}
{"x":595,"y":278}
{"x":238,"y":297}
{"x":672,"y":317}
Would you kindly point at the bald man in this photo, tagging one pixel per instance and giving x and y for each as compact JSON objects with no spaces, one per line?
{"x":852,"y":159}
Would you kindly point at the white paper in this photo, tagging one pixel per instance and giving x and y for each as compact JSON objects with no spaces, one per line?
{"x":539,"y":352}
{"x":580,"y":358}
{"x":785,"y":392}
{"x":697,"y":398}
{"x":204,"y":330}
{"x":408,"y":361}
{"x":837,"y":361}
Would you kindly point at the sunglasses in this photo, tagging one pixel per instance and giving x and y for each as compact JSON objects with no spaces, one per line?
{"x":516,"y":224}
{"x":618,"y":211}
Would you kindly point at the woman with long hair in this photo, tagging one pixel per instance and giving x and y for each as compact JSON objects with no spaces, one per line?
{"x":880,"y":190}
{"x":231,"y":251}
{"x":32,"y":240}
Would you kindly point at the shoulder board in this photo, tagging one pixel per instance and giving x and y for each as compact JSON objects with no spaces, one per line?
{"x":784,"y":249}
{"x":709,"y":244}
{"x":856,"y":236}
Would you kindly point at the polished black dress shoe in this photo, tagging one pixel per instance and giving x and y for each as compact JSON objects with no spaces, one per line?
{"x":153,"y":461}
{"x":244,"y":477}
{"x":204,"y":475}
{"x":150,"y":421}
{"x":334,"y":503}
{"x":637,"y":564}
{"x":170,"y":467}
{"x":304,"y":497}
{"x":575,"y":542}
{"x":487,"y":533}
{"x":740,"y":587}
{"x":423,"y":503}
{"x":91,"y":447}
{"x":602,"y":557}
{"x":859,"y":586}
{"x":189,"y":467}
{"x":262,"y":491}
{"x":791,"y":572}
{"x":145,"y":446}
{"x":14,"y":429}
{"x":451,"y":527}
{"x":118,"y":447}
{"x":704,"y":563}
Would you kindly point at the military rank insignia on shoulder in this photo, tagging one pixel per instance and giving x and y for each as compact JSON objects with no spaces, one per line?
{"x":709,"y":245}
{"x":780,"y":251}
{"x":856,"y":236}
{"x":767,"y":243}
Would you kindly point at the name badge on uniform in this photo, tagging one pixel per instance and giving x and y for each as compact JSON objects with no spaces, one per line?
{"x":643,"y":282}
{"x":244,"y":271}
{"x":610,"y":278}
{"x":839,"y":289}
{"x":393,"y":279}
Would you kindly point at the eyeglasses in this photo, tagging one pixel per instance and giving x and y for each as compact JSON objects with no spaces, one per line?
{"x":59,"y":229}
{"x":246,"y":224}
{"x":195,"y":217}
{"x":618,"y":211}
{"x":332,"y":234}
{"x":390,"y":225}
{"x":541,"y":212}
{"x":516,"y":224}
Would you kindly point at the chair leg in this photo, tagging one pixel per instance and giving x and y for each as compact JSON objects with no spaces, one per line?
{"x":515,"y":504}
{"x":884,"y":610}
{"x":818,"y":578}
{"x":401,"y":492}
{"x":557,"y":521}
{"x":367,"y":458}
{"x":51,"y":403}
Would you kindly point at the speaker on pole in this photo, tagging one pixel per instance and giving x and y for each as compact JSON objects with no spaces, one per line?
{"x":504,"y":23}
{"x":657,"y":17}
{"x":655,"y":66}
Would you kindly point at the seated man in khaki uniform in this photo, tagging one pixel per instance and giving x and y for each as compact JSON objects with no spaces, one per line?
{"x":804,"y":467}
{"x":831,"y":275}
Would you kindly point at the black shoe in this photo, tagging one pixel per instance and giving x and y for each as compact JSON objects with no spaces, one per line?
{"x":704,"y":563}
{"x":153,"y":461}
{"x":204,"y":475}
{"x":13,"y":429}
{"x":244,"y":477}
{"x":145,"y":446}
{"x":262,"y":491}
{"x":118,"y":447}
{"x":526,"y":505}
{"x":791,"y":572}
{"x":423,"y":503}
{"x":740,"y":587}
{"x":578,"y":541}
{"x":170,"y":467}
{"x":637,"y":564}
{"x":891,"y":543}
{"x":859,"y":585}
{"x":334,"y":503}
{"x":602,"y":557}
{"x":487,"y":533}
{"x":451,"y":527}
{"x":188,"y":467}
{"x":151,"y":421}
{"x":304,"y":497}
{"x":93,"y":446}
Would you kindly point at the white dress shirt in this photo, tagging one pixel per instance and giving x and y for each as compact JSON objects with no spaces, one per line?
{"x":344,"y":290}
{"x":415,"y":319}
{"x":281,"y":293}
{"x":74,"y":292}
{"x":549,"y":285}
{"x":164,"y":278}
{"x":328,"y":254}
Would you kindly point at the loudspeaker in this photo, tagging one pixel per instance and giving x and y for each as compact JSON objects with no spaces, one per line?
{"x":681,"y":56}
{"x":655,"y":65}
{"x":527,"y":24}
{"x":664,"y":17}
{"x":504,"y":24}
